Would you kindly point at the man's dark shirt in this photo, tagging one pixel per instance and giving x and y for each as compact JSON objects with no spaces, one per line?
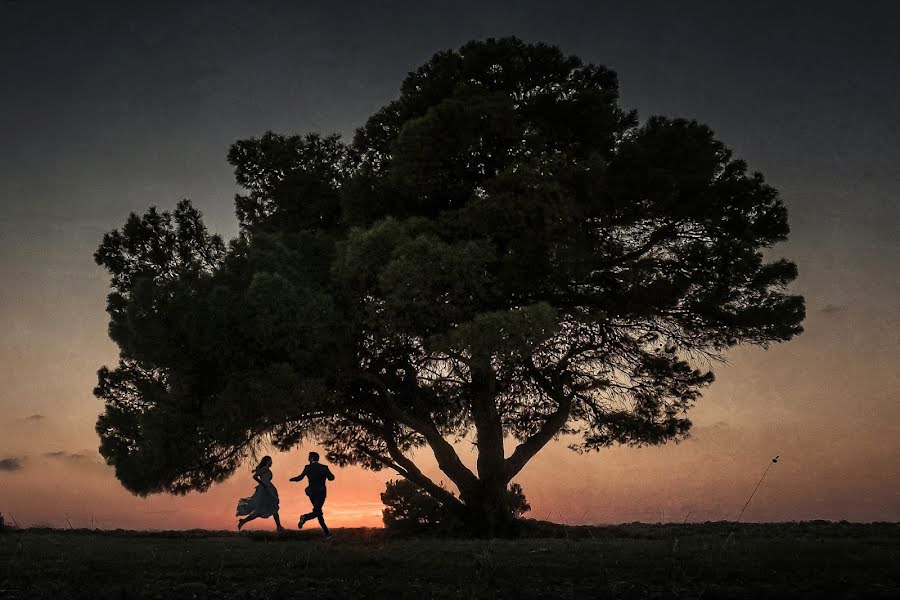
{"x":316,"y":474}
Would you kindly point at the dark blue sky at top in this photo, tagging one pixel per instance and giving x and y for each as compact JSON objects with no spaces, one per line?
{"x":109,"y":107}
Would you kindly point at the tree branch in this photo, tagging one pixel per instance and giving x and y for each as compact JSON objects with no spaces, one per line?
{"x":527,"y":449}
{"x":656,"y":237}
{"x":447,"y":458}
{"x":384,"y":461}
{"x":414,"y":474}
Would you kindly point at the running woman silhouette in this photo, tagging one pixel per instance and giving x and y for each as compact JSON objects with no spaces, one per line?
{"x":316,"y":474}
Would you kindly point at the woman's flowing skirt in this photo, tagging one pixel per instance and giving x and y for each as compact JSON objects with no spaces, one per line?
{"x":263,"y":502}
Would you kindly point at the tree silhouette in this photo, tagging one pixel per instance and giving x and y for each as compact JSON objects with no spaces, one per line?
{"x":502,"y":251}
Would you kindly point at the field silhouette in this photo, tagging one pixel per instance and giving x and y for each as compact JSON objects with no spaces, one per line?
{"x":817,"y":559}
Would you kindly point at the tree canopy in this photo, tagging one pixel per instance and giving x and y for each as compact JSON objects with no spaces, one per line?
{"x":501,"y":250}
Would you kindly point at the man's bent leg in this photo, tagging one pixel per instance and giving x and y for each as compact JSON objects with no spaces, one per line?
{"x":318,"y":501}
{"x":310,"y":515}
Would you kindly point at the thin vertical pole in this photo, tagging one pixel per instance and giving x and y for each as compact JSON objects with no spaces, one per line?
{"x":774,"y":460}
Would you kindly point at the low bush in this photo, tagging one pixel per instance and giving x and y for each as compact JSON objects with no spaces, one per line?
{"x":409,"y":509}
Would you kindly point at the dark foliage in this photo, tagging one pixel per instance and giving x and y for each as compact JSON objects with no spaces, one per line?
{"x":409,"y":509}
{"x":502,"y":250}
{"x":516,"y":501}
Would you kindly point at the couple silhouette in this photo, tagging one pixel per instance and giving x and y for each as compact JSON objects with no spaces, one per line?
{"x":264,"y":501}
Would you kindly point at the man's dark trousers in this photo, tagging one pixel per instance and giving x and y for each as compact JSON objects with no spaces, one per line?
{"x":317,"y":497}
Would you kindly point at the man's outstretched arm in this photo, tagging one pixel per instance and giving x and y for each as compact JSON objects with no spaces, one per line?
{"x":300,"y":476}
{"x":330,"y":475}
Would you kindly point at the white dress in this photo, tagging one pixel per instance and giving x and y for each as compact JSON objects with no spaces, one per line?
{"x":263,"y":502}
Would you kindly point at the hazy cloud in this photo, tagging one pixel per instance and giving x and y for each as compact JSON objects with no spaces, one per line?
{"x":66,"y":455}
{"x":829,"y":309}
{"x":10,"y":464}
{"x":32,"y":419}
{"x":718,"y":430}
{"x":78,"y":460}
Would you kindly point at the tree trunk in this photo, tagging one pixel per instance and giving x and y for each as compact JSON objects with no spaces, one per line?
{"x":486,"y":509}
{"x":486,"y":502}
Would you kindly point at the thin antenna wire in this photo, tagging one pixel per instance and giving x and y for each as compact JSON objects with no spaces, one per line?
{"x":774,"y":460}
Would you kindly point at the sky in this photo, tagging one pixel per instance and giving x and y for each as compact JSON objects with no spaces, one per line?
{"x":111,"y":107}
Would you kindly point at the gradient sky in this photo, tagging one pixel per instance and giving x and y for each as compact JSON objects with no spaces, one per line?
{"x":110,"y":107}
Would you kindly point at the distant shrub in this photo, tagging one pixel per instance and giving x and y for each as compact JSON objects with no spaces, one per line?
{"x":408,"y":508}
{"x":518,"y":504}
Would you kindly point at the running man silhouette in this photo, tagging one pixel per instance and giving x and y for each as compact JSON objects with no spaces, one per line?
{"x":316,"y":475}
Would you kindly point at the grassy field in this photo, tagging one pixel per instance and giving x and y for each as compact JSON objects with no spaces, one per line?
{"x":711,"y":560}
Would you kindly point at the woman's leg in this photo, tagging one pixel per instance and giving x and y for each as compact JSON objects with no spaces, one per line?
{"x":277,"y":522}
{"x":246,"y":520}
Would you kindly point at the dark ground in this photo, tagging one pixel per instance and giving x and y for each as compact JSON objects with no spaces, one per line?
{"x":711,"y":560}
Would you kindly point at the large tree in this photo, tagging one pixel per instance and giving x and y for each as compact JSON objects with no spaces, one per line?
{"x":501,"y":250}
